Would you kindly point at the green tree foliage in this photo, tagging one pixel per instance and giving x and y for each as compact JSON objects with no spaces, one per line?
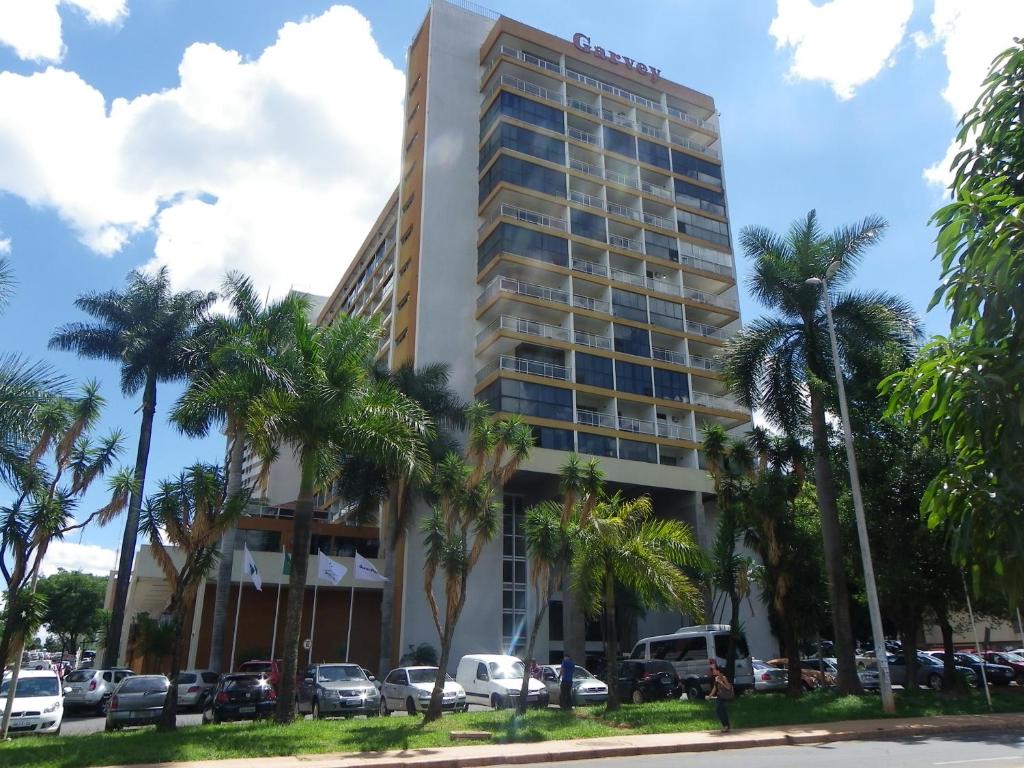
{"x":966,"y":390}
{"x":74,"y":607}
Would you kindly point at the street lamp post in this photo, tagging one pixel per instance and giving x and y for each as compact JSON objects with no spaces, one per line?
{"x":881,"y":656}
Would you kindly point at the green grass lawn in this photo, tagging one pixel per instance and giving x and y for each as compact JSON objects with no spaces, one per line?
{"x":265,"y":739}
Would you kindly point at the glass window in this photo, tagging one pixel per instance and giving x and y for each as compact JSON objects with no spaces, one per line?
{"x":525,"y":141}
{"x":694,"y":167}
{"x":703,"y":228}
{"x":258,"y":541}
{"x":513,"y":589}
{"x":555,"y":439}
{"x":636,"y":451}
{"x":588,"y":225}
{"x":596,"y":445}
{"x":523,"y":242}
{"x":632,"y":341}
{"x":661,"y":246}
{"x":632,"y":306}
{"x":593,"y":370}
{"x":667,"y":314}
{"x":617,"y":141}
{"x":686,"y":189}
{"x":722,"y":646}
{"x":630,"y":377}
{"x":526,"y":110}
{"x":654,"y":154}
{"x":508,"y":396}
{"x":671,"y":385}
{"x":523,"y":174}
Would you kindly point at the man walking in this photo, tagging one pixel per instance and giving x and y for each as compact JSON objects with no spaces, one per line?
{"x":565,"y":691}
{"x":721,"y":691}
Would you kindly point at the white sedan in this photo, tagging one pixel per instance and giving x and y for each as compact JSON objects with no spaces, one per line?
{"x":38,"y":702}
{"x":409,"y":689}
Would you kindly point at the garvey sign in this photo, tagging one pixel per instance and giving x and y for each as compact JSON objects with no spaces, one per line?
{"x":582,"y":43}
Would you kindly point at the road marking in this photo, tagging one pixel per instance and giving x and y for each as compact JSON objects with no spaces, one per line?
{"x":979,"y":760}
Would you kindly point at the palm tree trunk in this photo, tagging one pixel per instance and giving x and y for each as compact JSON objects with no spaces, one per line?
{"x":388,"y":550}
{"x":437,"y":694}
{"x":227,"y":553}
{"x":734,"y":629}
{"x":611,"y":641}
{"x":787,"y":621}
{"x":950,"y":681}
{"x":131,"y":527}
{"x":910,"y":653}
{"x":169,"y":714}
{"x":302,"y":533}
{"x":832,"y":541}
{"x":538,"y":617}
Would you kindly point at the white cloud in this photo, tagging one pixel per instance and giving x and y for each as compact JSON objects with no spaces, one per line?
{"x":275,"y":165}
{"x":972,"y":33}
{"x":89,"y":558}
{"x":33,"y":27}
{"x":842,"y":42}
{"x":5,"y":244}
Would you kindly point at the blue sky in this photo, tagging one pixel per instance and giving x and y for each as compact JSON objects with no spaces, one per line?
{"x":119,"y":150}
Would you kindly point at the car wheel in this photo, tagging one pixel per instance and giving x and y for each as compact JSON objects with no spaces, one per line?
{"x":109,"y":727}
{"x":1019,"y":678}
{"x":384,"y":711}
{"x":317,"y":715}
{"x":935,"y":682}
{"x":694,"y":692}
{"x":57,"y":732}
{"x":101,"y":708}
{"x":638,"y":696}
{"x":410,"y":706}
{"x":497,"y":702}
{"x":806,"y":686}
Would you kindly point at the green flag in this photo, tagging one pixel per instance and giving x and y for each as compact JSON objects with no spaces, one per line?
{"x":287,"y":569}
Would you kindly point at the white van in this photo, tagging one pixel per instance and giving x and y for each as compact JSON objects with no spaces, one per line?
{"x":691,"y":648}
{"x":495,"y":680}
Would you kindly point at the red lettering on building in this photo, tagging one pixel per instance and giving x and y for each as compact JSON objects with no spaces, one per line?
{"x":581,"y":42}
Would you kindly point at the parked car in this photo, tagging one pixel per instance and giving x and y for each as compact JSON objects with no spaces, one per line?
{"x":137,"y":700}
{"x":867,"y":672}
{"x":410,"y":688}
{"x":269,"y":669}
{"x":195,"y":686}
{"x":649,"y":680}
{"x":768,"y":677}
{"x":929,"y":671}
{"x":337,"y":689}
{"x":995,"y":674}
{"x":92,"y":688}
{"x":372,"y":678}
{"x":824,"y":672}
{"x":38,"y":705}
{"x":809,"y":679}
{"x":586,"y":689}
{"x":690,"y":648}
{"x":496,"y":680}
{"x":1008,"y":658}
{"x":240,"y":696}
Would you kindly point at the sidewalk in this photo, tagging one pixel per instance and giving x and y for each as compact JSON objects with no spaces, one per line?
{"x":628,"y":746}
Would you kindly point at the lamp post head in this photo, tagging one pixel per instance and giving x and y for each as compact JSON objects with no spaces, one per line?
{"x":815,"y":281}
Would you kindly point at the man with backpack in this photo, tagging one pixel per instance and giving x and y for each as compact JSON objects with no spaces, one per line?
{"x":721,"y":691}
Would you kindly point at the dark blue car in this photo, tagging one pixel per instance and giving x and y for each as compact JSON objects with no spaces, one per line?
{"x":240,"y":697}
{"x":995,"y":674}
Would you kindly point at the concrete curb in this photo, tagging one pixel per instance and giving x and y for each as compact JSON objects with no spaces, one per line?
{"x":627,"y":746}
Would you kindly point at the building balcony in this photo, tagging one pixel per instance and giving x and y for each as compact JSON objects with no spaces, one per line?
{"x":518,"y":84}
{"x":589,"y":267}
{"x":633,"y":426}
{"x":513,"y":324}
{"x":587,"y":339}
{"x":511,"y":285}
{"x":509,"y":211}
{"x":713,"y":299}
{"x":627,"y":243}
{"x":585,"y":136}
{"x":522,"y":365}
{"x":716,"y":401}
{"x":702,"y":329}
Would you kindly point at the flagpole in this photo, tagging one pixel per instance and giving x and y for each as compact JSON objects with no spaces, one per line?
{"x":312,"y":624}
{"x":277,"y":609}
{"x":351,"y":602}
{"x":234,"y":635}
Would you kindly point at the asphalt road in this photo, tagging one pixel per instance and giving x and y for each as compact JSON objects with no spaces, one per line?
{"x":997,"y":750}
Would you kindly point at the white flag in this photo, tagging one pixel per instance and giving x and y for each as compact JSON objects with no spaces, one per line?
{"x":254,"y":573}
{"x":329,"y":570}
{"x":365,"y":570}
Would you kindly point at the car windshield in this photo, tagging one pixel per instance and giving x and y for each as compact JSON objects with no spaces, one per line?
{"x":507,"y":671}
{"x":142,"y":684}
{"x":722,"y":646}
{"x":1016,"y":658}
{"x":80,"y":676}
{"x":970,"y":657}
{"x":186,"y":678}
{"x":427,"y":675}
{"x":32,"y":686}
{"x":931,"y":661}
{"x":241,"y":682}
{"x":341,"y":673}
{"x":581,"y":674}
{"x":257,"y":666}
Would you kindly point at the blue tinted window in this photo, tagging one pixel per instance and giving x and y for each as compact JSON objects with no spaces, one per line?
{"x":671,"y":385}
{"x":702,"y":227}
{"x":654,"y":154}
{"x":667,"y":314}
{"x":636,"y":451}
{"x":661,"y":246}
{"x":687,"y":165}
{"x":699,"y":197}
{"x":555,"y":439}
{"x":629,"y":305}
{"x":522,"y":140}
{"x":588,"y":225}
{"x":523,"y":242}
{"x":593,"y":370}
{"x":630,"y":377}
{"x":526,"y":110}
{"x":620,"y":142}
{"x":632,"y":341}
{"x":509,"y":396}
{"x":523,"y":174}
{"x":596,"y":445}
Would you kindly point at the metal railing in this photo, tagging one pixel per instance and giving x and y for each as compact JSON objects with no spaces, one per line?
{"x":518,"y":84}
{"x":715,"y":401}
{"x":674,"y":431}
{"x":625,"y":242}
{"x":595,"y":419}
{"x":659,"y":221}
{"x":622,"y":210}
{"x":509,"y":211}
{"x":621,"y":178}
{"x":668,"y":356}
{"x":704,"y":205}
{"x":523,"y":365}
{"x":529,"y":58}
{"x":592,"y":340}
{"x":650,"y":130}
{"x":589,"y":267}
{"x":522,"y":325}
{"x":587,"y":168}
{"x":584,"y":136}
{"x":686,"y":143}
{"x":706,"y":330}
{"x":594,"y":305}
{"x":503,"y":284}
{"x":582,"y":106}
{"x":709,"y":298}
{"x":584,"y":199}
{"x":705,"y":363}
{"x":628,"y":277}
{"x":654,"y":189}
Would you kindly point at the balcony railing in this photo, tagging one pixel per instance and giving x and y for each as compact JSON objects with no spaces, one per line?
{"x":522,"y":325}
{"x":523,"y":365}
{"x":694,"y":146}
{"x":715,"y":401}
{"x":703,"y":205}
{"x":589,"y":267}
{"x":710,"y":298}
{"x":584,"y":199}
{"x":594,"y":305}
{"x":584,"y":136}
{"x":674,"y":431}
{"x":509,"y":211}
{"x":659,"y":221}
{"x":668,"y":356}
{"x":622,"y":210}
{"x":595,"y":419}
{"x":587,"y":168}
{"x":657,"y":191}
{"x":582,"y":106}
{"x":625,"y":242}
{"x":706,"y":330}
{"x":633,"y":425}
{"x":705,"y":363}
{"x":520,"y":288}
{"x":510,"y":81}
{"x":621,"y":178}
{"x":529,"y":58}
{"x":592,"y":340}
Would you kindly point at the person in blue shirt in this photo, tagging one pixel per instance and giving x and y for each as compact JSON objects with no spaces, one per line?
{"x":565,"y":692}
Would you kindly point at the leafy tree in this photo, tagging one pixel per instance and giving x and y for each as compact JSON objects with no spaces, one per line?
{"x":7,"y":283}
{"x":237,"y":358}
{"x":549,"y":531}
{"x":782,"y":364}
{"x":965,"y":389}
{"x":74,"y":607}
{"x":190,"y":512}
{"x":466,"y":517}
{"x":622,"y":543}
{"x":151,"y":638}
{"x":146,"y":329}
{"x":333,"y":407}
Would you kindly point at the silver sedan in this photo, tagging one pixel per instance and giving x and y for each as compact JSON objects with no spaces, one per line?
{"x":586,"y":689}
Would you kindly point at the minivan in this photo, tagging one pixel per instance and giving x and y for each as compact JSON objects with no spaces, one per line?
{"x":691,"y":648}
{"x":495,"y":680}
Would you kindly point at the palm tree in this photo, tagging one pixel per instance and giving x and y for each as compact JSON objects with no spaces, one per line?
{"x":146,"y":329}
{"x":237,"y":357}
{"x":333,"y":407}
{"x":7,"y":283}
{"x":622,"y":543}
{"x":466,"y":517}
{"x":549,"y":531}
{"x":191,"y":513}
{"x":782,"y":364}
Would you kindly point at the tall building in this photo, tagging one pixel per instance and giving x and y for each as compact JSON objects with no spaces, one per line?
{"x":560,"y":239}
